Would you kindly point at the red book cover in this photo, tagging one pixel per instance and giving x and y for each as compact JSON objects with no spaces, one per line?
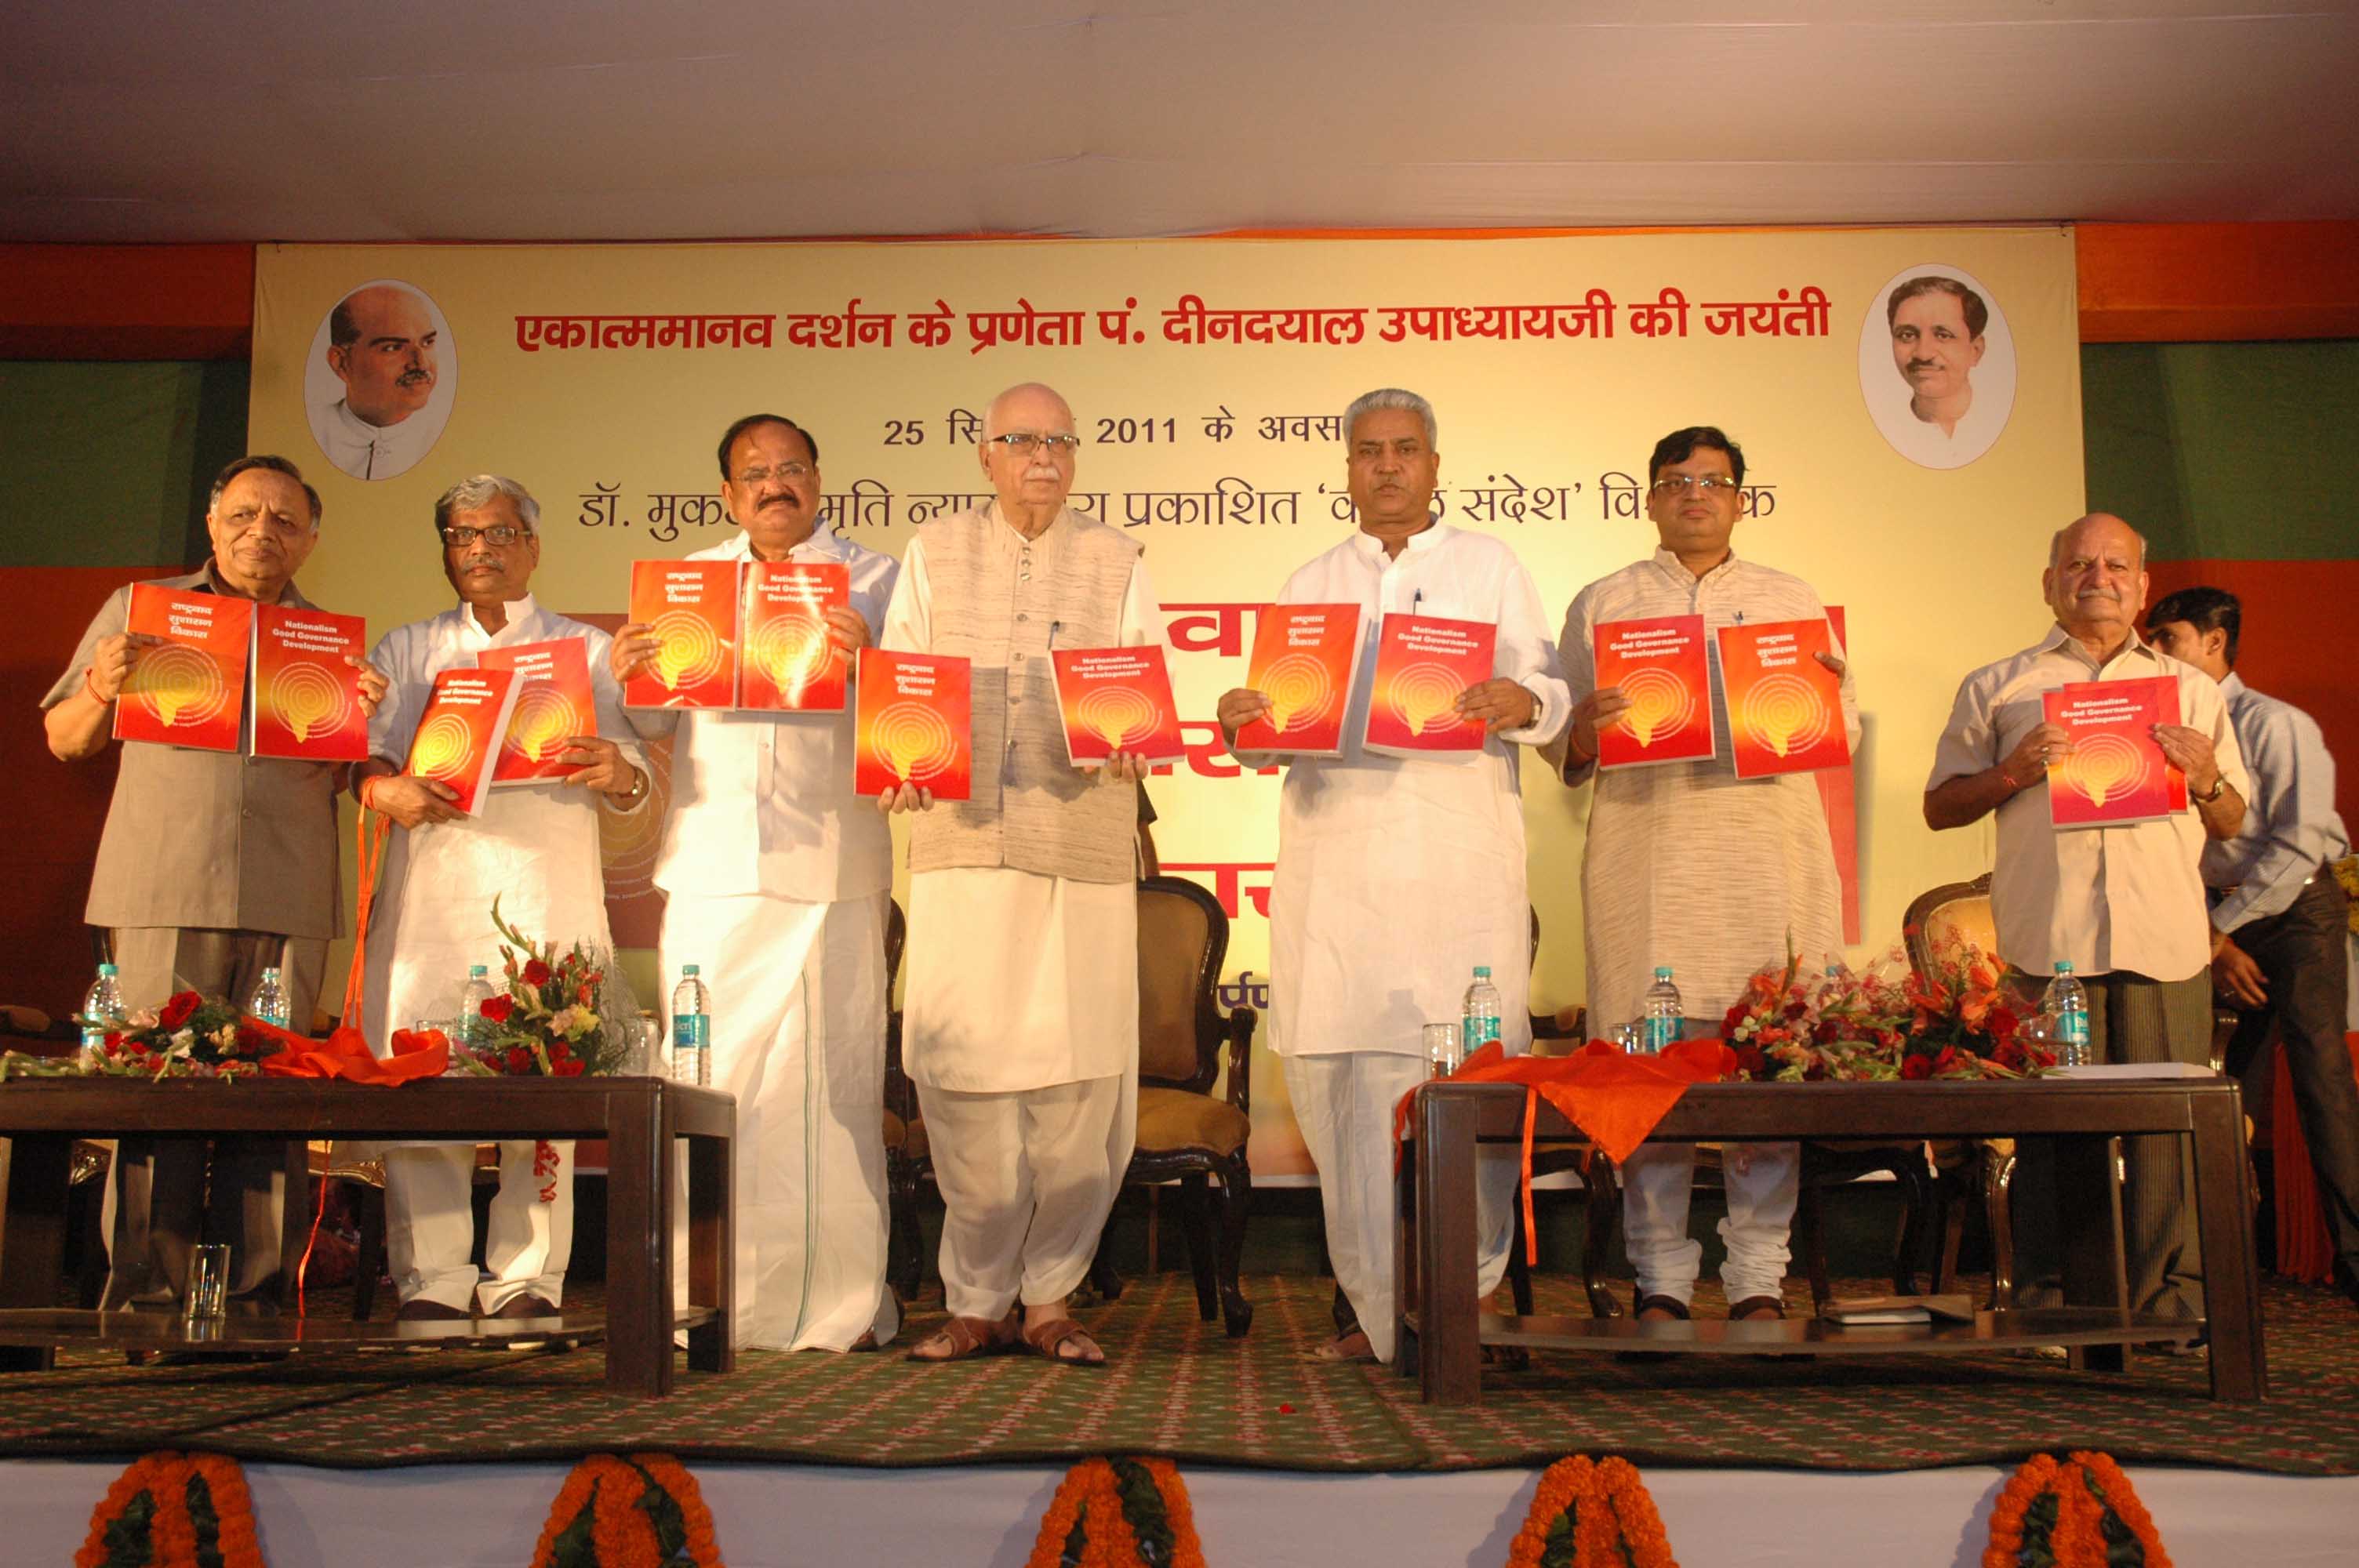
{"x":458,"y":735}
{"x":792,"y":664}
{"x":307,"y":700}
{"x":1785,"y":708}
{"x":1423,"y":663}
{"x":1662,"y":667}
{"x":1304,"y":659}
{"x":553,"y":701}
{"x":912,"y":723}
{"x":190,"y":691}
{"x":693,"y":606}
{"x":1117,"y":699}
{"x":2115,"y":772}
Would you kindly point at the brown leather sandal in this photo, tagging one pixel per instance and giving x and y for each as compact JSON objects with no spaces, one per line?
{"x":1770,"y":1307}
{"x":1641,"y":1303}
{"x":1050,"y":1339}
{"x":1351,"y":1345}
{"x":965,"y":1337}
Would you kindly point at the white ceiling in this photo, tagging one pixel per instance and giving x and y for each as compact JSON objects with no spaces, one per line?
{"x":129,"y":120}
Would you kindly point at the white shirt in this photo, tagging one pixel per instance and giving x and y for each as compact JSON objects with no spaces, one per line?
{"x":761,"y":803}
{"x":2291,"y":829}
{"x":374,"y":452}
{"x":1925,"y":443}
{"x":1397,"y":875}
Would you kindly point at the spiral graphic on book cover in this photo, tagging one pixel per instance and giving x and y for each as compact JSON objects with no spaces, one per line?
{"x":688,"y":653}
{"x":915,"y":742}
{"x":541,"y":718}
{"x":792,"y":651}
{"x":306,"y":698}
{"x":178,"y":685}
{"x":1423,"y":695}
{"x":1786,"y":713}
{"x":441,"y":747}
{"x":1115,"y":714}
{"x":1660,"y":704}
{"x":1299,"y":691}
{"x":2104,"y":767}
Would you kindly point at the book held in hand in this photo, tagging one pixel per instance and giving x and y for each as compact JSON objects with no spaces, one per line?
{"x":1117,"y":699}
{"x":458,"y":735}
{"x":191,"y":690}
{"x":1785,"y":708}
{"x":912,"y":724}
{"x":307,"y":700}
{"x":2114,"y":773}
{"x":1424,"y":663}
{"x":1305,"y":657}
{"x":1663,"y":668}
{"x":792,"y":663}
{"x":691,"y":607}
{"x":553,"y":702}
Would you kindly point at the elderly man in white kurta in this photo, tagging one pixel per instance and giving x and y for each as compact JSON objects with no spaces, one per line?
{"x":1021,"y":1025}
{"x":1691,"y":867}
{"x":535,"y":847}
{"x":778,"y":879}
{"x":1396,"y":876}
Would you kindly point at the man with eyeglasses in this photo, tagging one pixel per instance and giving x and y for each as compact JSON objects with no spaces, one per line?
{"x":533,"y":847}
{"x":1686,"y":865}
{"x":1021,"y":1025}
{"x":213,"y":867}
{"x":777,"y":881}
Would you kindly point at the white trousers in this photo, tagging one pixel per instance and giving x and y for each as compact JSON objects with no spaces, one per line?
{"x":798,"y":1038}
{"x":429,"y":1224}
{"x":1026,"y":1178}
{"x":1763,"y":1181}
{"x":1343,"y":1103}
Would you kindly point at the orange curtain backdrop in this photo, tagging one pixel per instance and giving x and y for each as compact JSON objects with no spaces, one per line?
{"x":2305,"y":1251}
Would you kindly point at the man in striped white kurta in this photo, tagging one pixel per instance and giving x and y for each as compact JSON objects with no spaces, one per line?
{"x":1689,"y":867}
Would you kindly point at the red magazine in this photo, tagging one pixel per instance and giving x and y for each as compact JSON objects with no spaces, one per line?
{"x":1423,"y":663}
{"x":693,"y":606}
{"x":2115,"y":773}
{"x":1785,"y":708}
{"x":912,"y":723}
{"x":307,"y":700}
{"x":792,"y":664}
{"x":553,"y":701}
{"x":1117,"y":699}
{"x":458,"y":738}
{"x":1305,"y":657}
{"x":190,"y":691}
{"x":1662,"y":667}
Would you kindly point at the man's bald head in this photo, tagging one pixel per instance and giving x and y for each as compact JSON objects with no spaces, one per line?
{"x":381,"y":344}
{"x":1031,"y":485}
{"x":2095,"y":580}
{"x":2095,"y":519}
{"x":1032,"y":401}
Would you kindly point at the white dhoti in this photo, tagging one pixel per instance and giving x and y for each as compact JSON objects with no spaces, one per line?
{"x":798,"y":1038}
{"x":1021,"y":1033}
{"x":1763,"y":1182}
{"x":429,"y":1224}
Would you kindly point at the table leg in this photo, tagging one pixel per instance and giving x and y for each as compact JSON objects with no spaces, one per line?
{"x":711,"y":1254}
{"x":1405,"y":1341}
{"x":2089,"y":1227}
{"x":2224,"y":1224}
{"x":1450,"y":1349}
{"x":639,"y":1197}
{"x":33,"y":1237}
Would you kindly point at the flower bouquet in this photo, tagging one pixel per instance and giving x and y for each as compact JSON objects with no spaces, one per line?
{"x":555,"y":1020}
{"x":1884,"y":1021}
{"x":189,"y":1037}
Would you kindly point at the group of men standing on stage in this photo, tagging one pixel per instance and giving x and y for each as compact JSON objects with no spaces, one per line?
{"x":1394,"y":877}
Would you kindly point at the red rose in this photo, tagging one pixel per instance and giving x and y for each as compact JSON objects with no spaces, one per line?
{"x":1917,"y":1067}
{"x":1750,"y":1062}
{"x":497,"y":1008}
{"x":557,"y":1050}
{"x":569,"y":1069}
{"x":536,"y":973}
{"x":520,"y":1059}
{"x":1734,"y":1016}
{"x":177,"y":1011}
{"x":2002,"y":1023}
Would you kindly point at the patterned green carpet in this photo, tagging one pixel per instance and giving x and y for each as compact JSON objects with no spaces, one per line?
{"x":1176,"y":1387}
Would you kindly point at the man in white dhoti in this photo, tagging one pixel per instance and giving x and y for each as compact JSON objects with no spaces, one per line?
{"x":1365,"y":837}
{"x":1021,"y":1025}
{"x":777,"y":879}
{"x":1691,"y":867}
{"x":533,"y":847}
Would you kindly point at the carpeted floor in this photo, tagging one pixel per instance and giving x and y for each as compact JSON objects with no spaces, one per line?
{"x":1176,"y":1387}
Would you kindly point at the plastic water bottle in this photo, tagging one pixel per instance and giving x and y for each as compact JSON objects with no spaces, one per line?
{"x":474,"y":1030}
{"x":270,"y":1002}
{"x":2066,"y":1010}
{"x":102,"y":1011}
{"x":1478,"y":1015}
{"x":692,"y":1030}
{"x":1662,"y":1017}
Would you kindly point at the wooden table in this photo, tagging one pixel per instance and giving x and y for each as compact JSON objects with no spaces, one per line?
{"x":1442,"y":1329}
{"x":638,"y":1117}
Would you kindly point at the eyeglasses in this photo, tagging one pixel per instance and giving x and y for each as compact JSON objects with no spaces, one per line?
{"x":499,"y":535}
{"x":792,"y":472}
{"x":1026,"y":442}
{"x":1714,"y":484}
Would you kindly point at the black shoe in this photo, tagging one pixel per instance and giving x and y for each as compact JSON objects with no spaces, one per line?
{"x":2346,"y":1280}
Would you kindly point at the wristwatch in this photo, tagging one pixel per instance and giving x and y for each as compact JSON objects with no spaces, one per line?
{"x":2219,"y":788}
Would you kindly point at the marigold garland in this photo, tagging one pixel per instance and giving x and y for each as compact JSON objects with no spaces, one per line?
{"x":1118,"y":1513}
{"x":174,"y":1510}
{"x":645,"y":1512}
{"x":1592,"y":1514}
{"x":2078,"y":1512}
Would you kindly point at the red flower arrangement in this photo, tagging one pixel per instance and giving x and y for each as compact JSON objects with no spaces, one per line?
{"x":645,"y":1512}
{"x":551,"y":1021}
{"x":2079,"y":1512}
{"x":1886,"y":1022}
{"x":1118,"y":1513}
{"x":189,"y":1037}
{"x":174,"y":1510}
{"x":1592,"y":1514}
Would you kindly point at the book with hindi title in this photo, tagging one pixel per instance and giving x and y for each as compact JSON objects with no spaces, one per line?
{"x":190,"y":691}
{"x":1305,"y":657}
{"x":691,"y":607}
{"x":913,"y":723}
{"x":1424,"y":663}
{"x":1785,"y":708}
{"x":1663,"y":668}
{"x":1117,"y":699}
{"x":792,"y":663}
{"x":2114,"y":773}
{"x":459,"y":734}
{"x":554,"y":701}
{"x":307,"y":700}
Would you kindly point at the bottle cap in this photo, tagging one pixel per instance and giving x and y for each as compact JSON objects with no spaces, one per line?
{"x":1664,"y":973}
{"x":477,"y":971}
{"x":687,"y":969}
{"x":1481,"y":971}
{"x":270,"y":973}
{"x":2063,"y":966}
{"x":109,"y":970}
